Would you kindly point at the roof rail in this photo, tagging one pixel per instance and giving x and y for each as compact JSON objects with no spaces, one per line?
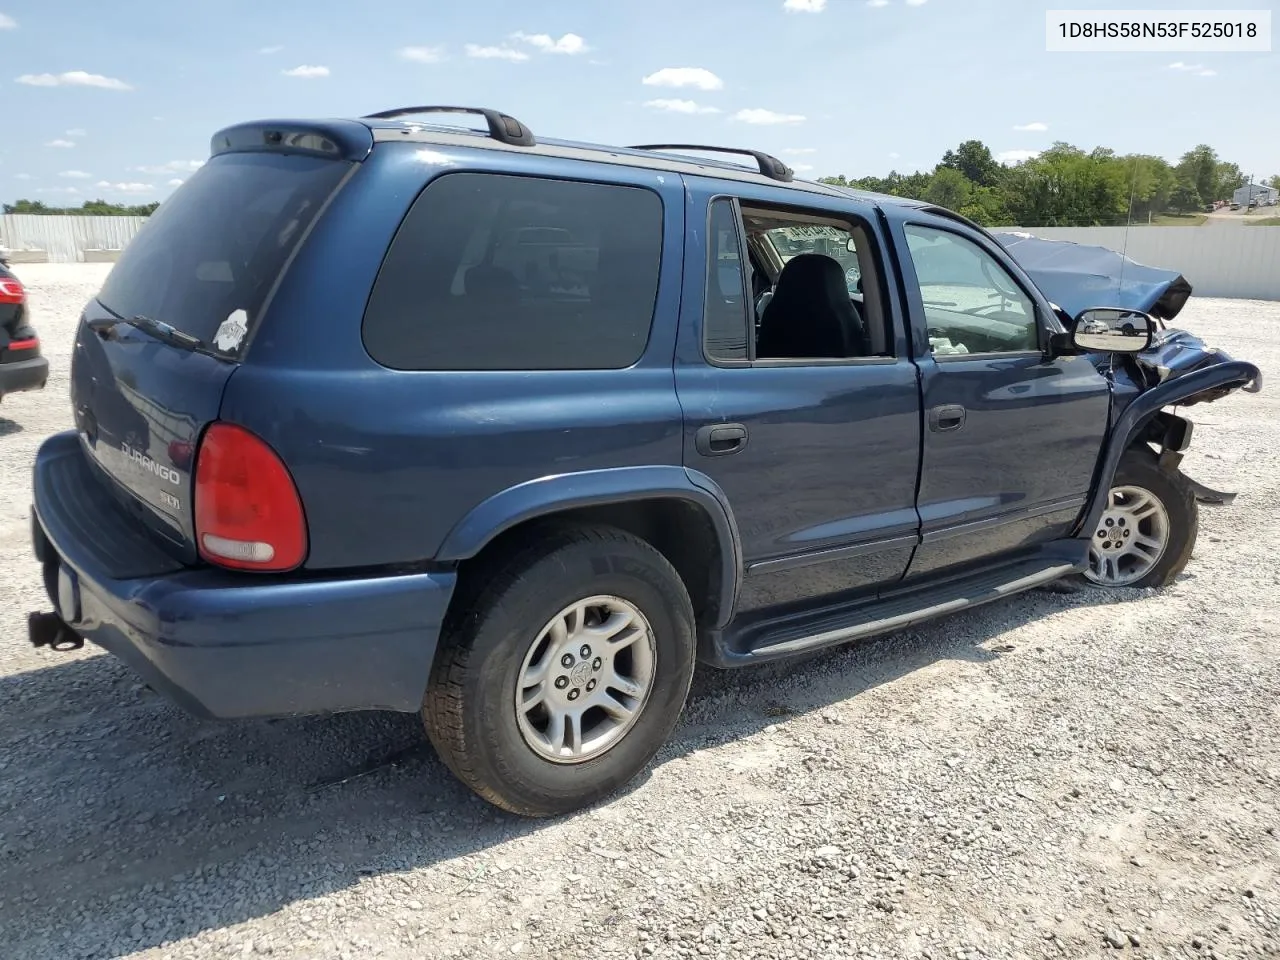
{"x":502,"y":127}
{"x":771,"y":167}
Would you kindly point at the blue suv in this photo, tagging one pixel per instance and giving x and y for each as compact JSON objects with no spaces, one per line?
{"x":381,"y":414}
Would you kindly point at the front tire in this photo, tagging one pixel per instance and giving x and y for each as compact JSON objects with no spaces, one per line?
{"x":1148,"y":529}
{"x":563,"y":675}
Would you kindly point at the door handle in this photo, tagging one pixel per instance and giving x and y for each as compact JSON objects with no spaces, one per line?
{"x":720,"y":439}
{"x":947,"y":417}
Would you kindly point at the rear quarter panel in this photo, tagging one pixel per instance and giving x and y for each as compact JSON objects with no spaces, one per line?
{"x":387,"y":461}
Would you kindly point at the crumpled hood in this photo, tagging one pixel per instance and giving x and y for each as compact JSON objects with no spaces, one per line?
{"x":1077,"y":276}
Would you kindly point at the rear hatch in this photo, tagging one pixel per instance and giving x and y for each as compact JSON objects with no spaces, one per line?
{"x":155,"y":348}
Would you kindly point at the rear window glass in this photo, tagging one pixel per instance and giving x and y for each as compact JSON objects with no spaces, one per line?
{"x":493,"y":272}
{"x":219,"y":243}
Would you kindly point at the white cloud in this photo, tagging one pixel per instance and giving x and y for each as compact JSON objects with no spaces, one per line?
{"x":895,"y":155}
{"x":61,"y":143}
{"x":684,"y":77}
{"x":768,"y":117}
{"x":173,"y":166}
{"x":877,"y":3}
{"x":494,"y":53}
{"x":1198,"y":69}
{"x":1016,"y":156}
{"x":73,"y":78}
{"x":802,"y":167}
{"x":77,"y":132}
{"x":174,"y":183}
{"x":679,"y":106}
{"x":306,"y":72}
{"x":269,"y":50}
{"x":76,"y":175}
{"x":916,"y":3}
{"x":800,"y":151}
{"x":124,"y":187}
{"x":804,"y":6}
{"x":1036,"y":127}
{"x":570,"y":43}
{"x":422,"y":54}
{"x":7,"y":22}
{"x":23,"y":176}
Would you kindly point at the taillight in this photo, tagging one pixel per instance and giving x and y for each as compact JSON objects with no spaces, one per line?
{"x":248,"y":515}
{"x":28,"y":343}
{"x":11,"y":290}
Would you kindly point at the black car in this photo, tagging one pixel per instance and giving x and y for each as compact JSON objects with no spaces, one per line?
{"x":21,"y":366}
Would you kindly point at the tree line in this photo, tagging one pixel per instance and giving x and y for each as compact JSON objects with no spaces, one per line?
{"x":90,"y":208}
{"x":1064,"y":186}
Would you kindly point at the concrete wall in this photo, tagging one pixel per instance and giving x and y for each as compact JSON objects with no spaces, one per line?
{"x":65,"y":239}
{"x":1232,"y":260}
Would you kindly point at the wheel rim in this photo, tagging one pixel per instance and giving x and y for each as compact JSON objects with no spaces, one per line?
{"x":585,"y":680}
{"x":1131,"y":537}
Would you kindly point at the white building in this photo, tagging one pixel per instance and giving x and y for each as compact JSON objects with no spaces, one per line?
{"x":1255,"y":192}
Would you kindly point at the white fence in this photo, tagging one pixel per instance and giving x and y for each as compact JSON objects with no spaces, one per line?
{"x":66,"y":239}
{"x":1219,"y":261}
{"x":1235,"y":260}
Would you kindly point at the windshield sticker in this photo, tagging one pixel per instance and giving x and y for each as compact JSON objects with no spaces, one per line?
{"x":231,"y":331}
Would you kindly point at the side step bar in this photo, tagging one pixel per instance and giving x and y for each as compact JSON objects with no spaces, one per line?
{"x":764,"y":642}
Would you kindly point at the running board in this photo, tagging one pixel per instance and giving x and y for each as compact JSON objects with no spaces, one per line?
{"x":760,"y":643}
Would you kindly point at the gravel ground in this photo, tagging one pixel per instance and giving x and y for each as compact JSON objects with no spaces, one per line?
{"x":1059,"y":775}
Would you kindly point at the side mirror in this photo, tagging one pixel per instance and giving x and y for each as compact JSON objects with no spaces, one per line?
{"x":1112,"y":330}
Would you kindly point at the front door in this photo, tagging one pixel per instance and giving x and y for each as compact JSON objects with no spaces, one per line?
{"x":1011,"y":438}
{"x":817,"y":454}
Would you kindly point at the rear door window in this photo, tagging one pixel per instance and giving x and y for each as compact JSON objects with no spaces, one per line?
{"x":495,"y":272}
{"x":219,"y":243}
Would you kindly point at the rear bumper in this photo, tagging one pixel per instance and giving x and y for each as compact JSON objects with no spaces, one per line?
{"x":18,"y":375}
{"x":226,"y":645}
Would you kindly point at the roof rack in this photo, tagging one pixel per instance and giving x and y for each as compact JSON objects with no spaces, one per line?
{"x":502,"y":127}
{"x":771,"y":167}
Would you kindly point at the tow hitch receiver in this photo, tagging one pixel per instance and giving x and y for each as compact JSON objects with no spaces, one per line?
{"x":49,"y":630}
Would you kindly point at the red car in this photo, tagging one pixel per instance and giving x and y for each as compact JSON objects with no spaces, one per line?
{"x":21,"y":366}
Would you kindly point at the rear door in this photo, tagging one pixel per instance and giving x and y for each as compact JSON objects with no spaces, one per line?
{"x":205,"y":264}
{"x":818,"y":456}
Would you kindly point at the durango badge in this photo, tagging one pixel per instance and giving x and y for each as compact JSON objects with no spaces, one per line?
{"x":146,"y":463}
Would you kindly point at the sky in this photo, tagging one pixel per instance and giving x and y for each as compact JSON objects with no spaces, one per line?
{"x":119,"y":100}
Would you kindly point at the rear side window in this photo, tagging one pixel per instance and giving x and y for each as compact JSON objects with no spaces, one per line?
{"x":493,"y":272}
{"x":724,"y":318}
{"x":219,"y":243}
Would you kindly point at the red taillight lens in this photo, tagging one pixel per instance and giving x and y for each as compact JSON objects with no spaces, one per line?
{"x":11,"y":290}
{"x":248,"y":515}
{"x":30,"y":343}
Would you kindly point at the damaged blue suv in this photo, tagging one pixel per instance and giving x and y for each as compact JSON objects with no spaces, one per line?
{"x":385,"y":414}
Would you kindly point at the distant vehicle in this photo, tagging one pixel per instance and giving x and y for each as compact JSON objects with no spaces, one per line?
{"x":343,"y":440}
{"x":21,"y":365}
{"x":1235,"y":206}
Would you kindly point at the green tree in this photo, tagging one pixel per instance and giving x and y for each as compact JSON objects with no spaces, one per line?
{"x":1229,"y":180}
{"x":1275,"y":181}
{"x":973,"y":159}
{"x":1200,"y":166}
{"x":1185,"y":196}
{"x":949,"y":188}
{"x":90,"y":208}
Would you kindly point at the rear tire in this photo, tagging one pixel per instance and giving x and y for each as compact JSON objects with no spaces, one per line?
{"x":509,"y":646}
{"x":1148,"y":528}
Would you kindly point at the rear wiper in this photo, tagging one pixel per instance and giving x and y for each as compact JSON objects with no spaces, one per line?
{"x":156,"y":328}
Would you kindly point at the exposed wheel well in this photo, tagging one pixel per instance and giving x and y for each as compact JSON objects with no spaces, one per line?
{"x":679,"y":529}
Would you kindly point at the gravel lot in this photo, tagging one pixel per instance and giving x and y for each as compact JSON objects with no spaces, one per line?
{"x":1060,"y":775}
